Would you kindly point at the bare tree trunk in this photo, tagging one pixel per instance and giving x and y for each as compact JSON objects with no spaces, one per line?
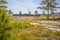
{"x":48,"y":15}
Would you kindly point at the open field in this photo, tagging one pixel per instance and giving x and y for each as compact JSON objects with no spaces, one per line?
{"x":29,"y":20}
{"x":19,"y":18}
{"x":37,"y":32}
{"x":52,"y":25}
{"x":36,"y":20}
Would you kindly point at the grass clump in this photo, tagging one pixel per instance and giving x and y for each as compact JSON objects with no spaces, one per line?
{"x":23,"y":24}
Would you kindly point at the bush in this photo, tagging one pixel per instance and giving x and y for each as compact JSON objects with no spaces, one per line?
{"x":23,"y":24}
{"x":58,"y":33}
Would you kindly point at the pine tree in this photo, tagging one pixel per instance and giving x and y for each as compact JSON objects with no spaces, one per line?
{"x":29,"y":12}
{"x":36,"y":12}
{"x":20,"y":13}
{"x":48,"y":5}
{"x":44,"y":13}
{"x":5,"y":22}
{"x":10,"y":12}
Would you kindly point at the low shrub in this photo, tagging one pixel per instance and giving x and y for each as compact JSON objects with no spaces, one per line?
{"x":23,"y":24}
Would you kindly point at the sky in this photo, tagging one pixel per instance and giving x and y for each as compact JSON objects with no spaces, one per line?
{"x":24,"y":5}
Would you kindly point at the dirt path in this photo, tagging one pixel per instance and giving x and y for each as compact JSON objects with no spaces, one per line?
{"x":51,"y":25}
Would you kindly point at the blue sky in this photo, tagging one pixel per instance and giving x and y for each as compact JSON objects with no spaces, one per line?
{"x":24,"y":5}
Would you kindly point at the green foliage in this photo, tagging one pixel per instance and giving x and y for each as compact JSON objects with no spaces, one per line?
{"x":5,"y":21}
{"x":23,"y":24}
{"x":10,"y":12}
{"x":49,"y":5}
{"x":5,"y":25}
{"x":20,"y":13}
{"x":47,"y":33}
{"x":29,"y":12}
{"x":44,"y":13}
{"x":36,"y":12}
{"x":21,"y":30}
{"x":58,"y":33}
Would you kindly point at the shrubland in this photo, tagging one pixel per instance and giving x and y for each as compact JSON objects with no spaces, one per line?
{"x":21,"y":30}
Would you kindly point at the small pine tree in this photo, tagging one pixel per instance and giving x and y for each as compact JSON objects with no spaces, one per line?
{"x":29,"y":12}
{"x":5,"y":22}
{"x":20,"y":13}
{"x":49,"y":5}
{"x":10,"y":12}
{"x":43,"y":13}
{"x":36,"y":12}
